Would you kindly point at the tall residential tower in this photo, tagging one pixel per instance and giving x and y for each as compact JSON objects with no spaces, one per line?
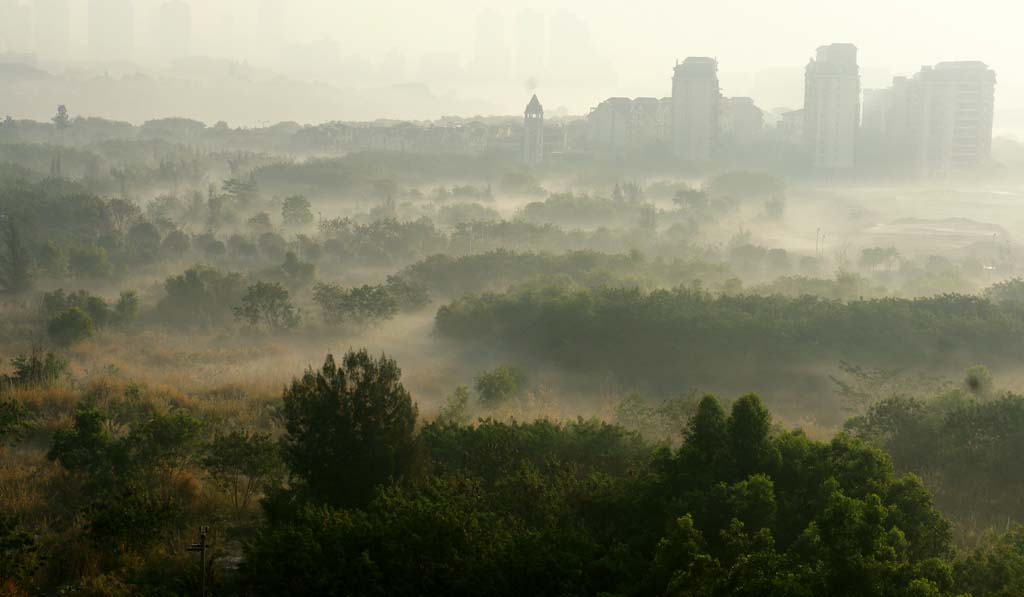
{"x":832,"y":106}
{"x":695,"y":105}
{"x":953,"y":104}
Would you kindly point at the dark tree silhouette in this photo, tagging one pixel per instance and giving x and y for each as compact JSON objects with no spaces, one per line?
{"x":349,"y":428}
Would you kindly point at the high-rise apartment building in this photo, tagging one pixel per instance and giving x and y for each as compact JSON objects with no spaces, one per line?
{"x":696,"y":99}
{"x":832,"y":106}
{"x":953,"y":105}
{"x":620,"y":124}
{"x":935,"y":123}
{"x":876,"y":112}
{"x":741,"y":120}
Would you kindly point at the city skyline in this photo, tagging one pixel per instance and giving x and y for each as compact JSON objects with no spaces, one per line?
{"x":491,"y":56}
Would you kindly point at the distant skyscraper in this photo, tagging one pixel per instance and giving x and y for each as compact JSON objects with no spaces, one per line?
{"x":832,"y":106}
{"x":935,"y":123}
{"x":530,"y":44}
{"x":533,"y":132}
{"x":741,"y":120}
{"x":695,"y":107}
{"x":111,"y":30}
{"x":52,"y":26}
{"x":491,"y":57}
{"x":951,"y":107}
{"x":619,"y":124}
{"x":875,"y":113}
{"x":609,"y":124}
{"x":175,"y":30}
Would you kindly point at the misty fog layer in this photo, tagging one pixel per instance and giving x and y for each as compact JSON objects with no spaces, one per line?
{"x":317,"y":299}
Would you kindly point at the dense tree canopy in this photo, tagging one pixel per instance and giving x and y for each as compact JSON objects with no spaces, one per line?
{"x":684,"y":337}
{"x":349,"y":428}
{"x":586,"y":508}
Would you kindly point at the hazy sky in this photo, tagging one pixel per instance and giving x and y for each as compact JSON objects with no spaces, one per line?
{"x":743,"y":34}
{"x":636,"y":41}
{"x":642,"y":38}
{"x":746,"y":33}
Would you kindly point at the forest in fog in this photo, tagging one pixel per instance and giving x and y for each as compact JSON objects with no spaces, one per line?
{"x":384,"y":372}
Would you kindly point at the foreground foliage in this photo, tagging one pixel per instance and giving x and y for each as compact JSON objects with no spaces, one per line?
{"x":586,"y":508}
{"x":360,"y":497}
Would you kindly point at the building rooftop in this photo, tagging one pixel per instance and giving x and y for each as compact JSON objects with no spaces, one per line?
{"x":700,"y":66}
{"x":834,"y":59}
{"x":965,"y":70}
{"x":534,"y":106}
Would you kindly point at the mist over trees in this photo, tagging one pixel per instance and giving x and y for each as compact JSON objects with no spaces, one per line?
{"x":393,"y":358}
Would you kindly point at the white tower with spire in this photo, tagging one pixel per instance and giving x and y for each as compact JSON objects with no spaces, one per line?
{"x":533,"y":132}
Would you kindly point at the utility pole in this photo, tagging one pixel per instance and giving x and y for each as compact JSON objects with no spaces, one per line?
{"x":201,"y":549}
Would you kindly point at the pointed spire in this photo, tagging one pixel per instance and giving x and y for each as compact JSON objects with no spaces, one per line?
{"x":534,"y":106}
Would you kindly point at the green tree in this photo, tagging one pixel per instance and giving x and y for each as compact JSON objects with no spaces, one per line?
{"x":51,"y":259}
{"x":242,"y":191}
{"x":36,"y":369}
{"x":750,"y":426}
{"x":358,"y":306}
{"x":873,"y":257}
{"x":681,"y":559}
{"x":56,"y":302}
{"x":129,"y":492}
{"x":70,"y":327}
{"x":272,"y":245}
{"x":123,"y":214}
{"x":705,"y":449}
{"x":267,"y":304}
{"x":243,"y":465}
{"x":1011,"y":290}
{"x":408,"y":295}
{"x":456,"y":407}
{"x":87,"y":448}
{"x":978,"y":381}
{"x":499,"y":385}
{"x":995,"y":570}
{"x":61,"y":120}
{"x":19,"y":553}
{"x":15,"y":261}
{"x":127,"y":307}
{"x":296,"y":211}
{"x":349,"y":428}
{"x":176,"y":243}
{"x":201,"y":295}
{"x":143,"y":242}
{"x":88,"y":262}
{"x":13,"y":420}
{"x":294,"y":272}
{"x":260,"y":223}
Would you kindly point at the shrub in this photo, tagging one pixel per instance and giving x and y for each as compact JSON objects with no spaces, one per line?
{"x":70,"y":327}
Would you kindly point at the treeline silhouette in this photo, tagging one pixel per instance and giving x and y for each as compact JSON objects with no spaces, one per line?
{"x":686,"y":337}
